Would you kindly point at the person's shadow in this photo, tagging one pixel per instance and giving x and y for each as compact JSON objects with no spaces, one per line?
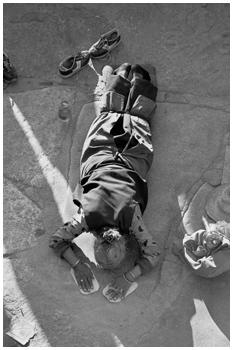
{"x":200,"y":314}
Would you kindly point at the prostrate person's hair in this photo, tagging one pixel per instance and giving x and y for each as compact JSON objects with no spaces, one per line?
{"x":114,"y":251}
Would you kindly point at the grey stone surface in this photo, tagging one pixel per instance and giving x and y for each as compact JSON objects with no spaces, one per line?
{"x":20,"y":234}
{"x":218,"y":203}
{"x":189,"y":46}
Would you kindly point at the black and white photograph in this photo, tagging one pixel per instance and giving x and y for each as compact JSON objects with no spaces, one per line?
{"x":116,"y":174}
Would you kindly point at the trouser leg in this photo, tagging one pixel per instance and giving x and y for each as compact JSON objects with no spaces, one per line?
{"x":110,"y":132}
{"x":118,"y":84}
{"x":141,"y":87}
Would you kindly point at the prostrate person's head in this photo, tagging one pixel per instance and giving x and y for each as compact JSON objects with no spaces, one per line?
{"x":114,"y":250}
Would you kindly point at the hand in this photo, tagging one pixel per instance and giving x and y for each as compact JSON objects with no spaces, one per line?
{"x":84,"y":276}
{"x":121,"y":287}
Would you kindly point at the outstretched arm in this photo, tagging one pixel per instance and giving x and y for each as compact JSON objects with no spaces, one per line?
{"x":63,"y":237}
{"x":149,"y":246}
{"x":150,"y":255}
{"x":61,"y":241}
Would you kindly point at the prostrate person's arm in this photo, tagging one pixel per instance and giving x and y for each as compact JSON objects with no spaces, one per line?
{"x":82,"y":272}
{"x":133,"y":274}
{"x":63,"y":237}
{"x":150,"y":258}
{"x":61,"y":241}
{"x":149,"y":247}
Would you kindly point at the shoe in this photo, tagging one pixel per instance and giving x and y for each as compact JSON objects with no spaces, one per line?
{"x":9,"y":72}
{"x":139,"y":72}
{"x":123,"y":70}
{"x":73,"y":64}
{"x":105,"y":44}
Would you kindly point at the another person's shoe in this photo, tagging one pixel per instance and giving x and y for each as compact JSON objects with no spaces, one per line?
{"x":105,"y":44}
{"x":123,"y":70}
{"x":139,"y":72}
{"x":9,"y":72}
{"x":73,"y":64}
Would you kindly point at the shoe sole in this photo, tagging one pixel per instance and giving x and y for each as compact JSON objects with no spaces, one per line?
{"x":107,"y":53}
{"x":131,"y":289}
{"x":94,"y":282}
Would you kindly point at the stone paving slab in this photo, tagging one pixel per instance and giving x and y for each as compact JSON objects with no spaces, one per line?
{"x":189,"y":46}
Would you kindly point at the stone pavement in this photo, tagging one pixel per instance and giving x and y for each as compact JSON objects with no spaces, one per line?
{"x":189,"y":46}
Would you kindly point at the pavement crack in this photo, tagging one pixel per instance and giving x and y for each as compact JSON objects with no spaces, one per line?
{"x":195,"y":105}
{"x":171,"y":97}
{"x":16,"y":254}
{"x":146,"y":333}
{"x":21,"y":188}
{"x":70,"y":159}
{"x":32,"y":16}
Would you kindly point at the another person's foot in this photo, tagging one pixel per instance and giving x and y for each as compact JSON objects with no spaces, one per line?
{"x":106,"y":72}
{"x":123,"y":70}
{"x":9,"y":72}
{"x":139,"y":72}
